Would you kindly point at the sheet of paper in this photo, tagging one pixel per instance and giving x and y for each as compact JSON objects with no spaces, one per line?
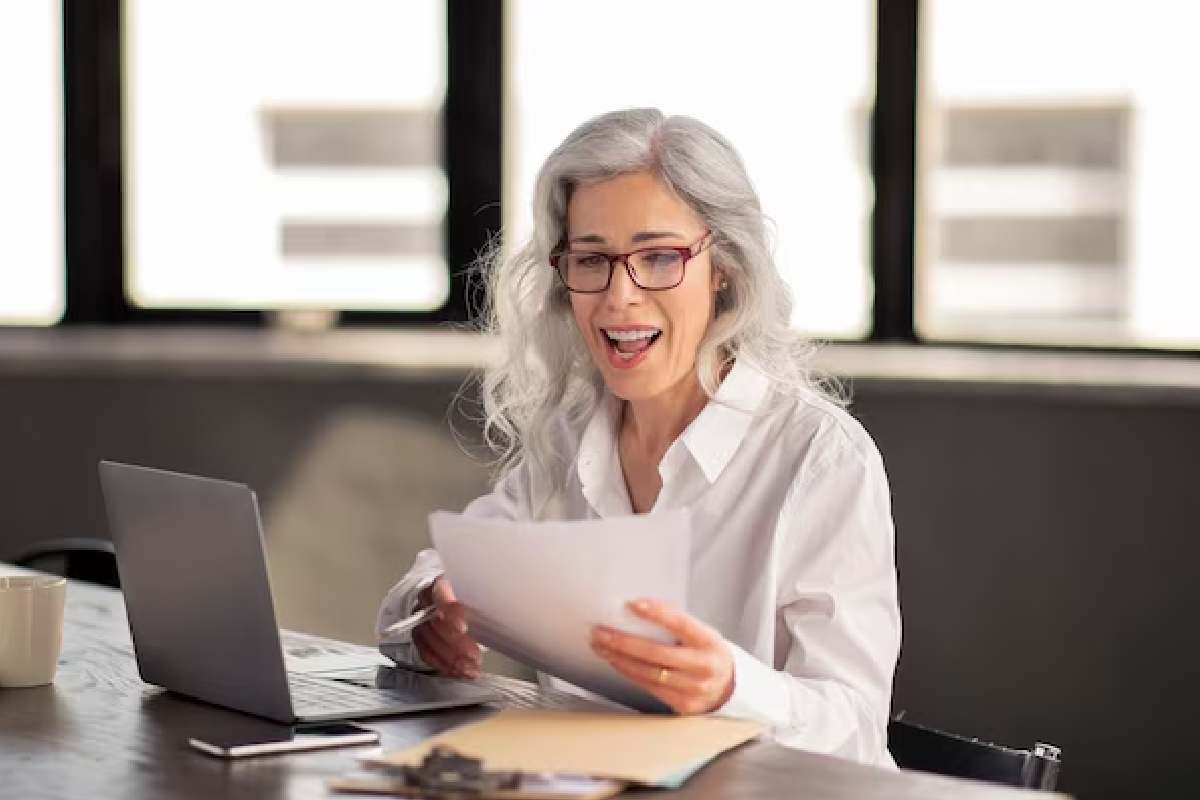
{"x":534,"y":590}
{"x":334,"y":664}
{"x":315,"y":655}
{"x":648,"y":749}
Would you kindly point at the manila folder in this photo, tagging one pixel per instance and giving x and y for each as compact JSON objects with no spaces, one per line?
{"x":639,"y":748}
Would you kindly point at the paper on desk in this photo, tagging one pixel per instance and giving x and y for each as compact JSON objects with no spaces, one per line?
{"x":533,"y":590}
{"x":653,"y":750}
{"x":315,"y":655}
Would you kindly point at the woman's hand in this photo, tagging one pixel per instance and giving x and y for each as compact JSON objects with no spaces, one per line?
{"x":693,"y":676}
{"x":443,"y":641}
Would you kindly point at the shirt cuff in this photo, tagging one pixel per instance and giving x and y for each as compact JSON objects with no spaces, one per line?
{"x":401,"y":602}
{"x":407,"y":656}
{"x":758,"y":692}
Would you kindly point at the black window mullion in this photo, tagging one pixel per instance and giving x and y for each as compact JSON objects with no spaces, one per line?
{"x":92,"y":221}
{"x":893,"y":166}
{"x":94,"y":163}
{"x":471,"y":150}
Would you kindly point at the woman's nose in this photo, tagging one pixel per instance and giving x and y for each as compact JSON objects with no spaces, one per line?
{"x":621,"y":289}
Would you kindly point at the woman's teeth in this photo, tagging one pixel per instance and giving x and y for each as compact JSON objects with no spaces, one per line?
{"x":628,"y":344}
{"x":629,"y":336}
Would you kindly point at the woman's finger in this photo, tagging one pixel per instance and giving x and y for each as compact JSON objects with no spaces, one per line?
{"x":455,"y":645}
{"x":433,"y":651}
{"x":683,"y":698}
{"x":451,"y":625}
{"x":687,"y":629}
{"x":651,"y":675}
{"x":442,"y":592}
{"x":453,"y":616}
{"x":449,"y":661}
{"x":675,"y":657}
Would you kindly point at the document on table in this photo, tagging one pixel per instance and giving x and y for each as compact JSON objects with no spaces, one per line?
{"x":315,"y":655}
{"x":533,"y":590}
{"x":649,"y":750}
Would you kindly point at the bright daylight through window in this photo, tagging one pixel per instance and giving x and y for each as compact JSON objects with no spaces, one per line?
{"x":285,"y":155}
{"x":790,"y":84}
{"x":31,"y":193}
{"x":1057,"y":148}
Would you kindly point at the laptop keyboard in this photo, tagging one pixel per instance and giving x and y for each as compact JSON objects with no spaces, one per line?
{"x":312,"y":696}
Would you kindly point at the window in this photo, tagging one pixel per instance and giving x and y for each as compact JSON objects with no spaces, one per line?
{"x":1056,"y":145}
{"x":280,"y":155}
{"x":32,"y":288}
{"x":285,"y":155}
{"x":790,"y":84}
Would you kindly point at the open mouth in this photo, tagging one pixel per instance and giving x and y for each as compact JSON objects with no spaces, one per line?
{"x":626,"y":346}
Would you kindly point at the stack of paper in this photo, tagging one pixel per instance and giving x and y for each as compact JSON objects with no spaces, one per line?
{"x":533,"y":591}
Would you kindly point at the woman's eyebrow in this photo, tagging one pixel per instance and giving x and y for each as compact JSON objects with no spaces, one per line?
{"x":640,"y":236}
{"x":590,"y":238}
{"x":646,"y":236}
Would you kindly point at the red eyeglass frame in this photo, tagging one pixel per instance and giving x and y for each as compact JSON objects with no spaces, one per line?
{"x":687,"y":253}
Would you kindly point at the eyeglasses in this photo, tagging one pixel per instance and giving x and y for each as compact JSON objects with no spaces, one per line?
{"x":651,"y":268}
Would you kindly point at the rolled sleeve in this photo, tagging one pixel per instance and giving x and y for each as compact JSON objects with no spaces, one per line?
{"x":401,"y":600}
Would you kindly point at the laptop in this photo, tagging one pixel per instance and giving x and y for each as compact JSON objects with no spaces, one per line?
{"x":193,"y":570}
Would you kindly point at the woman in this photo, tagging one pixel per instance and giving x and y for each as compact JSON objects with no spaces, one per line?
{"x":648,"y":364}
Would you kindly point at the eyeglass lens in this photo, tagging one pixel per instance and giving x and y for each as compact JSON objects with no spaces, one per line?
{"x":652,"y":269}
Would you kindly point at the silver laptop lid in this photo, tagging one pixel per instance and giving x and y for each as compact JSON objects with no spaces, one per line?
{"x":194,"y":574}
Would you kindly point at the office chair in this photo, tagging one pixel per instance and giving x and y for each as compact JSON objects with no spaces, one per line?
{"x":78,"y":558}
{"x":925,"y":749}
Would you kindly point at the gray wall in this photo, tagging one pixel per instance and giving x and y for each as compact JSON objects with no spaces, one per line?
{"x":1047,"y":557}
{"x":346,"y":467}
{"x":1046,"y":535}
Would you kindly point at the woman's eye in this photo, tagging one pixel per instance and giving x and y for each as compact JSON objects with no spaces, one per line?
{"x":660,"y":258}
{"x":590,"y":261}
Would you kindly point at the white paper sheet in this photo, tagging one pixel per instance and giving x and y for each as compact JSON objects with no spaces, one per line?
{"x":534,"y":590}
{"x":315,"y":655}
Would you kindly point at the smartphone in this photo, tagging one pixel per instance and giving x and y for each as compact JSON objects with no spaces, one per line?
{"x":308,"y":736}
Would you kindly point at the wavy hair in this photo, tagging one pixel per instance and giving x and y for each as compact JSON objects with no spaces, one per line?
{"x":543,"y":374}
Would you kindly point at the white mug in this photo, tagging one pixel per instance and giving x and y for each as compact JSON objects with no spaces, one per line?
{"x":31,"y":623}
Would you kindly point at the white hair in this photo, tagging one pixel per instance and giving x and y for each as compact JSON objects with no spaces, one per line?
{"x":544,"y":374}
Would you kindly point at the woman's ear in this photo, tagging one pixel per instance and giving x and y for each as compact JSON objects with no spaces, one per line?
{"x":719,"y":281}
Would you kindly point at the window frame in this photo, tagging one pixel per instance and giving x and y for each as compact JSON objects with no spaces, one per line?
{"x":472,"y":152}
{"x":94,"y":154}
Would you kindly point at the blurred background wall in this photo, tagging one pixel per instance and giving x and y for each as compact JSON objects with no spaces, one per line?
{"x":236,"y":239}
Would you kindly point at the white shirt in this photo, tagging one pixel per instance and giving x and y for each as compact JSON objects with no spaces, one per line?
{"x":792,"y":553}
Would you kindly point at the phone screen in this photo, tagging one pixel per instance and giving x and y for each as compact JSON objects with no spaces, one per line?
{"x":284,"y":739}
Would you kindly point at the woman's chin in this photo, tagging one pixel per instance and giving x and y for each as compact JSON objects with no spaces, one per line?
{"x":638,"y":378}
{"x":631,"y":385}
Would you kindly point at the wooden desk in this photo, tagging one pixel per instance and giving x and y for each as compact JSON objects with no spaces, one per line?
{"x":99,"y":732}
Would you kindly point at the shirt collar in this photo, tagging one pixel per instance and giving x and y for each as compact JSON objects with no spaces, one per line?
{"x":715,"y":435}
{"x":712,"y":438}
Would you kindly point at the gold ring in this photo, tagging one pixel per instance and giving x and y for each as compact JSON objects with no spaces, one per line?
{"x":664,"y":675}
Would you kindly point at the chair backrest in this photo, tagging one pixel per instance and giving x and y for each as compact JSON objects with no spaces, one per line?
{"x":78,"y":558}
{"x":930,"y":750}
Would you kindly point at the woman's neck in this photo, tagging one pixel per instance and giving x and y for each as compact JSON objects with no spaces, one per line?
{"x":650,"y":425}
